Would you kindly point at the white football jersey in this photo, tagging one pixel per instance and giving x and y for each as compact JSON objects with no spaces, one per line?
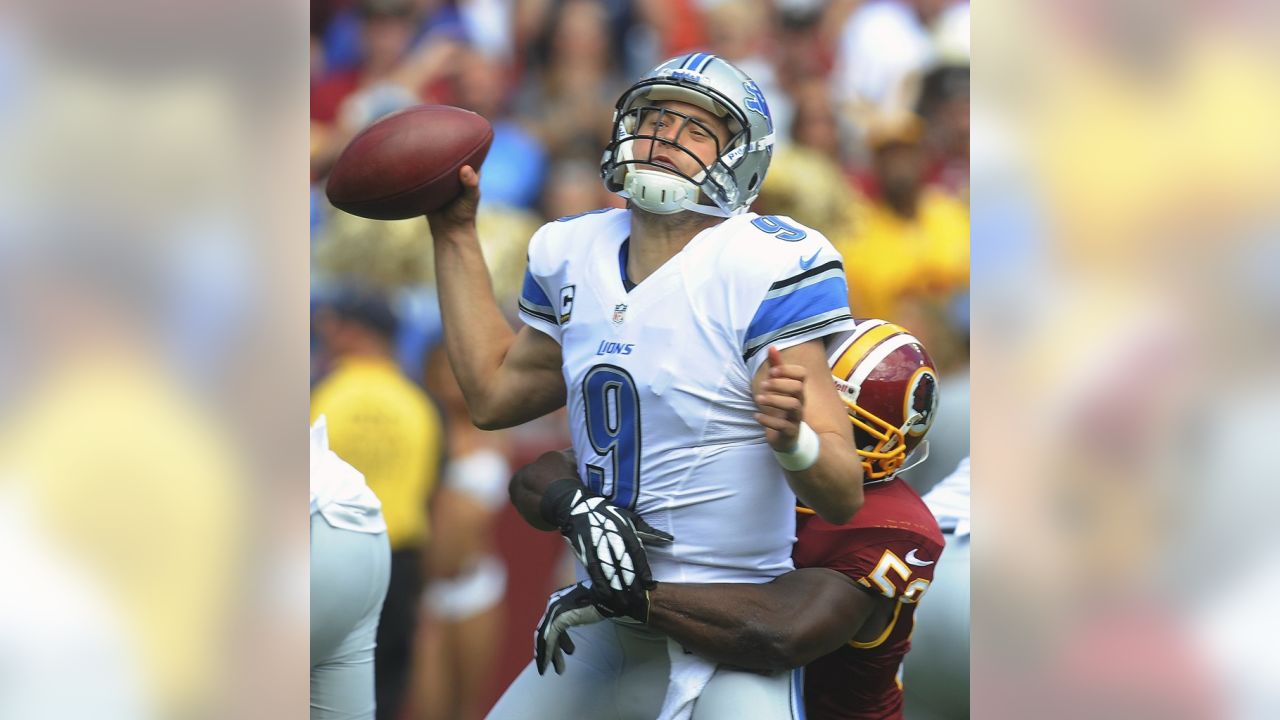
{"x":659,"y":377}
{"x":338,"y":491}
{"x":949,"y":501}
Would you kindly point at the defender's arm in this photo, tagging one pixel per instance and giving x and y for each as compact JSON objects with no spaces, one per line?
{"x":757,"y":627}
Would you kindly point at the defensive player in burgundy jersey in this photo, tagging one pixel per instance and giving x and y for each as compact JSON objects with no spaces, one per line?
{"x":847,"y":611}
{"x":892,"y":545}
{"x":890,"y":548}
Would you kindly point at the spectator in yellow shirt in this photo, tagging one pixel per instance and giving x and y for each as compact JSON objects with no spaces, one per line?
{"x":384,"y":425}
{"x":907,"y":257}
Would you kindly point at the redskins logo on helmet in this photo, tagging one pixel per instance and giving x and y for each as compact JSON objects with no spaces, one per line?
{"x":890,"y":387}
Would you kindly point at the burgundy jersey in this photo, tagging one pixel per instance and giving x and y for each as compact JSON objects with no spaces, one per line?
{"x":889,"y":548}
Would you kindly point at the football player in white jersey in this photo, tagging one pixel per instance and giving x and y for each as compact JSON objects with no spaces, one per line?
{"x":686,"y":335}
{"x":350,"y":570}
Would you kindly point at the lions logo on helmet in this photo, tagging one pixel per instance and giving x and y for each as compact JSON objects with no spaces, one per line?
{"x":732,"y":181}
{"x":890,"y":388}
{"x":755,"y":102}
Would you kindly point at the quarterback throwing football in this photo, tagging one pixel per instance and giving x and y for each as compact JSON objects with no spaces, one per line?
{"x":685,"y":334}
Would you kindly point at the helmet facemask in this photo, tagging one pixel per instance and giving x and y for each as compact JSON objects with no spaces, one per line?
{"x":664,"y":189}
{"x":715,"y":188}
{"x":882,"y":447}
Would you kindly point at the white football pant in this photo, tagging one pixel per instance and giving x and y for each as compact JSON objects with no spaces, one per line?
{"x":349,"y":575}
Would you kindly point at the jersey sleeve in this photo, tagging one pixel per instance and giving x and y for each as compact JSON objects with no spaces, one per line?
{"x":536,"y":306}
{"x":807,"y":298}
{"x":899,"y":567}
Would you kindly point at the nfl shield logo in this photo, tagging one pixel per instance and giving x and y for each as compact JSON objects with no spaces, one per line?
{"x":619,"y":313}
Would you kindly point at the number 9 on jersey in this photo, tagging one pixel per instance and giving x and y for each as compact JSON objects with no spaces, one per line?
{"x":613,"y":428}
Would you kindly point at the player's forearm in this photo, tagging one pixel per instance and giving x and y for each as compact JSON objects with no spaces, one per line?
{"x":530,"y":483}
{"x":476,"y":335}
{"x":832,"y":486}
{"x":757,"y":627}
{"x":748,"y":626}
{"x":727,"y":623}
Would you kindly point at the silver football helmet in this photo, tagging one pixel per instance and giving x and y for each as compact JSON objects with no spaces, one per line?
{"x":733,"y":179}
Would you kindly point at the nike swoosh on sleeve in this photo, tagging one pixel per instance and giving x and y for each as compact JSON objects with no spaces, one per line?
{"x":805,"y":264}
{"x":912,"y":559}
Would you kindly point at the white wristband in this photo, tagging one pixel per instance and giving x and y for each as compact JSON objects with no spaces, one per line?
{"x":805,"y":453}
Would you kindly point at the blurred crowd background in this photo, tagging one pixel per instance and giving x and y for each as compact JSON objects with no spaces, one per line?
{"x":870,"y":102}
{"x":1125,"y":273}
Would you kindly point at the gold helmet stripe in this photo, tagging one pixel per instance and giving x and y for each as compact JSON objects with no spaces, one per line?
{"x":861,"y":346}
{"x":878,"y":354}
{"x":858,"y":331}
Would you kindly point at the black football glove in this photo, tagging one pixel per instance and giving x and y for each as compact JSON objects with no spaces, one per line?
{"x":569,"y":606}
{"x":566,"y":607}
{"x":607,"y":540}
{"x":633,"y":604}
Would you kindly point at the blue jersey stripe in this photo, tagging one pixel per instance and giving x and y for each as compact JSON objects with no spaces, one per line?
{"x":809,"y":301}
{"x":797,"y":693}
{"x":804,"y":327}
{"x":532,"y":291}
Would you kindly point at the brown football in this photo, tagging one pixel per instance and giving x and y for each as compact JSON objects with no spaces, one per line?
{"x":406,"y":164}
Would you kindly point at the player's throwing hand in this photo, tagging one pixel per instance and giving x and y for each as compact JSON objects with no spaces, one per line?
{"x":780,"y":399}
{"x":461,"y":211}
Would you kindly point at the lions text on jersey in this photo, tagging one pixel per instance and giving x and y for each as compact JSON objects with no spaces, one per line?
{"x":659,"y":376}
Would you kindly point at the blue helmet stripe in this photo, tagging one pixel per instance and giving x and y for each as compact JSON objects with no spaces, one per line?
{"x":705,"y":62}
{"x":693,"y":58}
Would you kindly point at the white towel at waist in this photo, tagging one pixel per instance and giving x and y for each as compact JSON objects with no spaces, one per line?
{"x":690,"y":674}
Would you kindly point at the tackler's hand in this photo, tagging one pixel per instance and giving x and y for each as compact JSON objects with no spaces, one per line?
{"x":607,"y":540}
{"x":566,"y":607}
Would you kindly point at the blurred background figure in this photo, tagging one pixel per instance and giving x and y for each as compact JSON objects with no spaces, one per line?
{"x":943,"y":105}
{"x":126,"y":482}
{"x":574,"y":187}
{"x":463,"y":612}
{"x":908,"y":255}
{"x":573,"y":80}
{"x":513,"y":177}
{"x":884,"y":43}
{"x":384,"y":425}
{"x":807,"y":176}
{"x":816,"y":124}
